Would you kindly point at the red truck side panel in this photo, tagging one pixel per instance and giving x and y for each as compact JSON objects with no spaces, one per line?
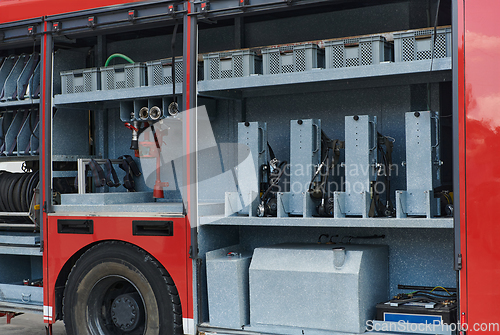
{"x":171,"y":251}
{"x":15,"y":10}
{"x":482,"y":162}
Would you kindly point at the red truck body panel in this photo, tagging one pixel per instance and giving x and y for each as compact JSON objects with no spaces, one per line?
{"x":480,"y":162}
{"x":16,"y":10}
{"x":170,"y":251}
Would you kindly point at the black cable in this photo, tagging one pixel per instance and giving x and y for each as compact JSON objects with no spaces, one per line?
{"x":432,"y":293}
{"x":172,"y":47}
{"x":274,"y":181}
{"x":271,"y":152}
{"x":422,"y":297}
{"x":435,"y":33}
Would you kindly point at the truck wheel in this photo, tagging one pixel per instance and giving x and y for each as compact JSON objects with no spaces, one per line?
{"x":117,"y":288}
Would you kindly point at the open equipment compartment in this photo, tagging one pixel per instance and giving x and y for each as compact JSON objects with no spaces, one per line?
{"x":20,"y":286}
{"x":385,"y":117}
{"x":323,"y":179}
{"x":111,"y":165}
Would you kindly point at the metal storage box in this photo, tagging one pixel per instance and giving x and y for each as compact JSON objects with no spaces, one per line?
{"x":305,"y":157}
{"x":123,"y":76}
{"x":79,"y":81}
{"x":160,"y":71}
{"x":321,"y":287}
{"x":357,"y":52}
{"x":418,"y":45}
{"x":227,"y":284}
{"x":423,"y":167}
{"x":292,"y":58}
{"x":232,"y":64}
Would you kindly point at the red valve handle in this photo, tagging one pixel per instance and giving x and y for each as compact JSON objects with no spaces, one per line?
{"x":131,"y":127}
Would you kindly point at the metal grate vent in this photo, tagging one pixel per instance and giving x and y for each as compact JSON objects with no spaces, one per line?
{"x":238,"y":66}
{"x":120,"y":84}
{"x":129,"y":77}
{"x":69,"y":84}
{"x":110,"y":80}
{"x":179,"y":72}
{"x":214,"y":68}
{"x":440,"y":46}
{"x":425,"y":54}
{"x":350,"y":62}
{"x":337,"y":56}
{"x":366,"y":53}
{"x":424,"y":32}
{"x":351,"y":41}
{"x":408,"y":52}
{"x":157,"y":74}
{"x":87,"y":78}
{"x":300,"y":60}
{"x":274,"y":62}
{"x":226,"y":74}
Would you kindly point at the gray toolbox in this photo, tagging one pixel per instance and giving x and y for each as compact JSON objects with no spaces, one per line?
{"x":227,"y":284}
{"x":321,"y":287}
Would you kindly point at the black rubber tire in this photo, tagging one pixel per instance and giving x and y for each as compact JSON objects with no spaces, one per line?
{"x":133,"y":269}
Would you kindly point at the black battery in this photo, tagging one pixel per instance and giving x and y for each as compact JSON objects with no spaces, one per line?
{"x":418,"y":312}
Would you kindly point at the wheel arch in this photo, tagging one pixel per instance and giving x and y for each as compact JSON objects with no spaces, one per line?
{"x":63,"y":275}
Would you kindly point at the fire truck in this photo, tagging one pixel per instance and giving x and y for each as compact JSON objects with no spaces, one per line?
{"x":250,"y":166}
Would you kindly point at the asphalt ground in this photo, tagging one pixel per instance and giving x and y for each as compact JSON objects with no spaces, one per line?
{"x":28,"y":324}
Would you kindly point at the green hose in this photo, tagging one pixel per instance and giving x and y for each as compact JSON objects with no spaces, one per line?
{"x":128,"y":59}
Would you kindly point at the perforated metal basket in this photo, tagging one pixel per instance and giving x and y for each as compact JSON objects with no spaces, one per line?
{"x":123,"y":76}
{"x":234,"y":64}
{"x":292,"y":58}
{"x":160,"y":71}
{"x":418,"y":45}
{"x":360,"y":51}
{"x":79,"y":81}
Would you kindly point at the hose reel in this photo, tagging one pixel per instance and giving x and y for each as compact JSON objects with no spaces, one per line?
{"x":17,"y":191}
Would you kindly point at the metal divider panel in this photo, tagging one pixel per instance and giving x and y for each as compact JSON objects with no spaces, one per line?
{"x":34,"y":141}
{"x":5,"y":122}
{"x":9,"y":91}
{"x":23,"y":139}
{"x":13,"y":132}
{"x":5,"y":70}
{"x":23,"y":81}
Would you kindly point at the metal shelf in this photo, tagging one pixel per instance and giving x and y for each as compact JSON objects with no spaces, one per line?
{"x":402,"y":73}
{"x":328,"y":222}
{"x":19,"y":158}
{"x":18,"y":238}
{"x":19,"y":307}
{"x":19,"y":103}
{"x":17,"y":250}
{"x":113,"y":97}
{"x":14,"y":214}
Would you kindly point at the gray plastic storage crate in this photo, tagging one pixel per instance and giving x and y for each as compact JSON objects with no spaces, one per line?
{"x":292,"y":58}
{"x":360,"y":51}
{"x":79,"y":81}
{"x":123,"y":76}
{"x":160,"y":71}
{"x":417,"y":45}
{"x":232,"y":64}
